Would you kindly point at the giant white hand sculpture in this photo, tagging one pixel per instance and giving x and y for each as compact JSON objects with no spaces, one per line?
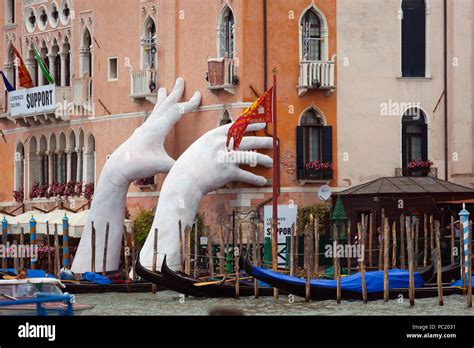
{"x":204,"y":167}
{"x":140,"y":156}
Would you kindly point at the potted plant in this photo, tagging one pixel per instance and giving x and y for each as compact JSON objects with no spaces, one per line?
{"x":419,"y":167}
{"x":319,"y":170}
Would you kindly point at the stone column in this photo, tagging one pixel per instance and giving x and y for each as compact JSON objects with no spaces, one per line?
{"x":79,"y":167}
{"x":59,"y":166}
{"x":31,"y":66}
{"x":39,"y":167}
{"x":50,"y":167}
{"x":69,"y":165}
{"x":52,"y":67}
{"x":85,"y":169}
{"x":63,"y":56}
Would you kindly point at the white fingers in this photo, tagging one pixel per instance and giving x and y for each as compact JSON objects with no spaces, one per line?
{"x":191,"y":105}
{"x":253,"y":143}
{"x":174,"y":96}
{"x":252,"y":158}
{"x":250,"y":178}
{"x":162,"y":95}
{"x":250,"y":128}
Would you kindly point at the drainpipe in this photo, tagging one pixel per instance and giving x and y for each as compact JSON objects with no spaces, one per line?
{"x":265,"y":87}
{"x":445,"y":20}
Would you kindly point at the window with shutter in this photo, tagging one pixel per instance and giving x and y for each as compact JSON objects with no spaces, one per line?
{"x":413,"y":38}
{"x":414,"y":140}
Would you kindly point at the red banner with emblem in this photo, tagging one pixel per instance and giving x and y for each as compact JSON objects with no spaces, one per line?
{"x":261,"y":111}
{"x":23,"y":73}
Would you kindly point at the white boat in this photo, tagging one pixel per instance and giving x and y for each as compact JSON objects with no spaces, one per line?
{"x":21,"y":289}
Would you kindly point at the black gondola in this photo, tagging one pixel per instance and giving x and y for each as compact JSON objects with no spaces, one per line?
{"x":319,"y":293}
{"x":92,"y":288}
{"x":220,"y":289}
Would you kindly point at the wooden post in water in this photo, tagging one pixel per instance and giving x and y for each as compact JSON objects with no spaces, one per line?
{"x":411,"y":291}
{"x":236,"y":263}
{"x":371,"y":233}
{"x":402,"y":242}
{"x":394,"y":245}
{"x":92,"y":245}
{"x":307,"y":263}
{"x":386,"y":230}
{"x":57,"y":267}
{"x":257,"y":257}
{"x":292,"y":250}
{"x":275,"y":253}
{"x":155,"y":256}
{"x":5,"y":241}
{"x":431,"y":235}
{"x":469,"y":262}
{"x":196,"y":248}
{"x":316,"y":247}
{"x":417,"y":232}
{"x":362,"y":261}
{"x":48,"y":241}
{"x":310,"y":231}
{"x":133,"y":254}
{"x":187,"y":236}
{"x":15,"y":259}
{"x":452,"y":240}
{"x":349,"y":242}
{"x":180,"y":228}
{"x":222,"y":251}
{"x":438,"y":264}
{"x":296,"y":253}
{"x":125,"y":257}
{"x":106,"y":243}
{"x":22,"y":243}
{"x":425,"y":243}
{"x":463,"y":261}
{"x":337,"y":273}
{"x":209,"y":251}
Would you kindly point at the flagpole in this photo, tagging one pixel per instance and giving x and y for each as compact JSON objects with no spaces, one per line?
{"x":275,"y":183}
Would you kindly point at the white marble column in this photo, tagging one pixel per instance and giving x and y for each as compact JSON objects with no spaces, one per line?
{"x":79,"y":167}
{"x":50,"y":155}
{"x":69,"y":165}
{"x":52,"y":67}
{"x":63,"y":56}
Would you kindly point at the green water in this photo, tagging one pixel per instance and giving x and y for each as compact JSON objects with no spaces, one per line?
{"x":170,"y":303}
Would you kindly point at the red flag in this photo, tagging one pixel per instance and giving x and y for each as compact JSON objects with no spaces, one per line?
{"x":261,"y":111}
{"x":23,"y":73}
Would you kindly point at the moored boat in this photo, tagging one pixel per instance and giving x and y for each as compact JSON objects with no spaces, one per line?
{"x":16,"y":290}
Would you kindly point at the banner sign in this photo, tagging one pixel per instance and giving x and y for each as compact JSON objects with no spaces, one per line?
{"x":286,"y":217}
{"x":32,"y":101}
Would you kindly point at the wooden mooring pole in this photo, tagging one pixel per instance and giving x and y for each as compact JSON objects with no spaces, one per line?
{"x":257,"y":257}
{"x":126,"y":254}
{"x":307,"y":264}
{"x":469,"y":262}
{"x":236,"y":263}
{"x":438,"y":264}
{"x":196,"y":247}
{"x":133,"y":254}
{"x":106,"y":243}
{"x":48,"y":241}
{"x":452,"y":240}
{"x":316,"y":247}
{"x":411,"y":291}
{"x":155,"y":256}
{"x":22,"y":243}
{"x":425,"y":243}
{"x":292,"y":250}
{"x":349,"y":243}
{"x":371,"y":233}
{"x":402,"y":242}
{"x":386,"y":229}
{"x":337,"y":272}
{"x":362,"y":260}
{"x":394,"y":244}
{"x":209,"y":251}
{"x":222,"y":251}
{"x":92,"y":245}
{"x":417,"y":233}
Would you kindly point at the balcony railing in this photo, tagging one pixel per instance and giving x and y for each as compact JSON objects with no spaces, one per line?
{"x":221,"y":74}
{"x":311,"y":174}
{"x":316,"y":75}
{"x":419,"y":172}
{"x":82,"y":91}
{"x":144,"y":84}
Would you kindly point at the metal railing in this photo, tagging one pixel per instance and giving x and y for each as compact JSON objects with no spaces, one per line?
{"x":419,"y":172}
{"x":142,"y":82}
{"x":316,"y":75}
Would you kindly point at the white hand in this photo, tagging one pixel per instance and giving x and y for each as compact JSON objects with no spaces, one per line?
{"x":202,"y":168}
{"x":141,"y":156}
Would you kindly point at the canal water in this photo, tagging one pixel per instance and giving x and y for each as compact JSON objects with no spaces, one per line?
{"x":170,"y":303}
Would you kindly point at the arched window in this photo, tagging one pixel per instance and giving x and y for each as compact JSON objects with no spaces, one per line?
{"x":10,"y":67}
{"x":413,"y":38}
{"x":86,"y":55}
{"x":314,"y":143}
{"x":19,"y":158}
{"x":311,"y":36}
{"x":65,"y":57}
{"x":89,"y":165}
{"x":43,"y":161}
{"x":10,"y":11}
{"x":53,"y":160}
{"x":33,"y":163}
{"x":225,"y":119}
{"x":149,"y":44}
{"x":414,"y":137}
{"x":227,"y":34}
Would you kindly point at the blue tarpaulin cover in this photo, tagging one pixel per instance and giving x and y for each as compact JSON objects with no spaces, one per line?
{"x":459,"y":282}
{"x":397,"y":278}
{"x":96,"y":278}
{"x":32,"y":273}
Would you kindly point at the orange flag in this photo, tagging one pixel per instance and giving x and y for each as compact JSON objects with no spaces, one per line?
{"x":261,"y":111}
{"x":23,"y":73}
